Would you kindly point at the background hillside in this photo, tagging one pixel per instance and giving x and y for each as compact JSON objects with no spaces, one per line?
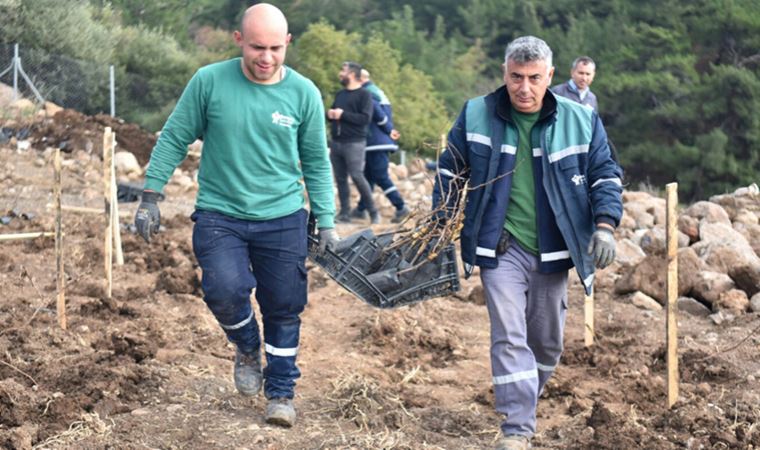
{"x":678,"y":81}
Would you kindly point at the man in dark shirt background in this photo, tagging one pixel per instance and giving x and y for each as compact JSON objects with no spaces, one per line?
{"x":350,"y":115}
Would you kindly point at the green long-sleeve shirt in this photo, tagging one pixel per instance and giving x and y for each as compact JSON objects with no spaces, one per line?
{"x":259,"y":142}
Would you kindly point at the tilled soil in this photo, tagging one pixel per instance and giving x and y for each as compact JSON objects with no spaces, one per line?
{"x":150,"y":368}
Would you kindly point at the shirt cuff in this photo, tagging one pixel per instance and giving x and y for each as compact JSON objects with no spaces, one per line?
{"x":325,"y":221}
{"x":153,"y":184}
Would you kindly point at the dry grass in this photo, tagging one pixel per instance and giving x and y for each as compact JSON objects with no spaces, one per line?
{"x":89,"y":425}
{"x":366,"y":404}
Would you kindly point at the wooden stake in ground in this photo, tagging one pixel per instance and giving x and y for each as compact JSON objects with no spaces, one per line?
{"x":672,"y":292}
{"x":116,"y":228}
{"x":108,"y":196}
{"x":21,"y":236}
{"x":85,"y":210}
{"x":60,"y":280}
{"x":588,"y":322}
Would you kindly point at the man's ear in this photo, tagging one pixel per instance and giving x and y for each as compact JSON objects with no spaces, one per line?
{"x":238,"y":37}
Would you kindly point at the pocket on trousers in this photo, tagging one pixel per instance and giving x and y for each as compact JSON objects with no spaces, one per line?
{"x":205,"y":236}
{"x":302,"y":269}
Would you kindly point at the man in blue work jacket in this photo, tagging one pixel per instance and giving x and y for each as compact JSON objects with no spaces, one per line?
{"x":544,"y":195}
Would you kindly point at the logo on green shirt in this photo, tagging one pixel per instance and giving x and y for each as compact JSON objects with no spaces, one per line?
{"x":282,"y":119}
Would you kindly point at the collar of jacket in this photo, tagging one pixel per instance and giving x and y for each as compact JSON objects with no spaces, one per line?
{"x":504,"y":111}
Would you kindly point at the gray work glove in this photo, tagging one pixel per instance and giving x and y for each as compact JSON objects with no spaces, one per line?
{"x":148,"y":217}
{"x":602,"y":247}
{"x":328,"y":239}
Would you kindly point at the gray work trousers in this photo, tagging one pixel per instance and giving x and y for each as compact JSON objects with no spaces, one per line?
{"x":527,"y":313}
{"x":347,"y":159}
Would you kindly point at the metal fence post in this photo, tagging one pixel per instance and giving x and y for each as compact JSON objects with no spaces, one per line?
{"x":15,"y":71}
{"x":113,"y":91}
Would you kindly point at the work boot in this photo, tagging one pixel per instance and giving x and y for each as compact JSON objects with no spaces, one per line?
{"x":357,"y":213}
{"x":401,"y":214}
{"x":280,"y":411}
{"x":513,"y":442}
{"x":248,"y":376}
{"x":343,"y":217}
{"x":374,"y":217}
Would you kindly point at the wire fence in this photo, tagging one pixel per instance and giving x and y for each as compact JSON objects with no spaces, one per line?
{"x":86,"y":86}
{"x":64,"y":81}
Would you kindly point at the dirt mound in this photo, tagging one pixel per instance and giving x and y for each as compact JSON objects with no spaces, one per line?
{"x":415,"y":334}
{"x":71,"y":130}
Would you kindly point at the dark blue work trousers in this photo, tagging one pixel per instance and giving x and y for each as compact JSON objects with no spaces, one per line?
{"x":237,"y":256}
{"x":376,"y":173}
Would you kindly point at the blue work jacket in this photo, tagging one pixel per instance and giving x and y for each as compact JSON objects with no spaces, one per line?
{"x":577,"y":182}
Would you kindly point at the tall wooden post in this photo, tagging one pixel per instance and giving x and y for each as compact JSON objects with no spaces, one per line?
{"x":588,"y":322}
{"x":672,"y":292}
{"x":116,"y":228}
{"x":108,"y":197}
{"x":60,"y":275}
{"x":444,"y":143}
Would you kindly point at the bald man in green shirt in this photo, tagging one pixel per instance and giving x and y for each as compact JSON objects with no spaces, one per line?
{"x":264,"y":137}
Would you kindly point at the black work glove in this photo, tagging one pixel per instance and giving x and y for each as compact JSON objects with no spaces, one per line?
{"x":503,"y":244}
{"x":602,"y":247}
{"x":328,"y":239}
{"x":148,"y":217}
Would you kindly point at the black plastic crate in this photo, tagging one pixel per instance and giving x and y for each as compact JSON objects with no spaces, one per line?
{"x":357,"y":266}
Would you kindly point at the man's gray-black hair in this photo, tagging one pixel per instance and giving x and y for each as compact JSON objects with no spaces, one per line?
{"x":583,"y":60}
{"x":528,"y":49}
{"x":354,"y":67}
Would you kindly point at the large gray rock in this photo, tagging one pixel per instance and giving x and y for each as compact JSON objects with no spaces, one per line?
{"x":654,"y":241}
{"x":689,"y":226}
{"x":627,"y":222}
{"x":708,"y":211}
{"x":745,"y":216}
{"x":709,"y":285}
{"x":126,"y":163}
{"x":751,"y":233}
{"x":734,"y":300}
{"x":743,"y":198}
{"x":747,"y":277}
{"x":723,"y":257}
{"x":693,"y":307}
{"x":639,"y":213}
{"x":754,"y":303}
{"x":628,"y":253}
{"x":689,"y":265}
{"x":720,"y":232}
{"x":649,"y":276}
{"x":644,"y":301}
{"x":652,"y":204}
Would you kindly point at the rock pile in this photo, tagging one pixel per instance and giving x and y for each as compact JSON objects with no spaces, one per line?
{"x":719,"y":244}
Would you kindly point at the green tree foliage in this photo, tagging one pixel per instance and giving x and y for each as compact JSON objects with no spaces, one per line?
{"x":455,"y":68}
{"x":64,"y":28}
{"x":418,"y":111}
{"x":153,"y":71}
